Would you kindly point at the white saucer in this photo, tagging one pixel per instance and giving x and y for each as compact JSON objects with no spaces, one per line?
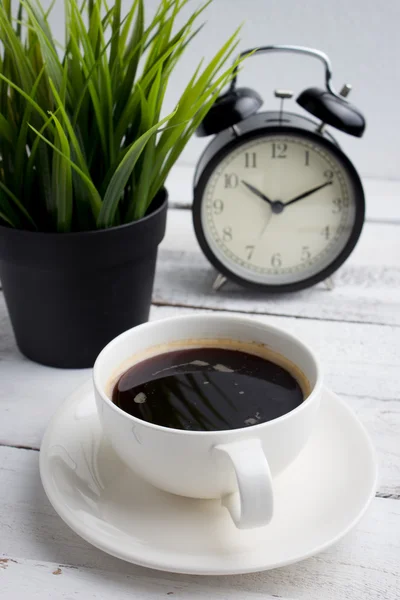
{"x":318,"y":499}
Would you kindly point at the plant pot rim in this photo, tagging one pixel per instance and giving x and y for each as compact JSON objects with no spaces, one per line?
{"x":82,"y":250}
{"x":160,"y":199}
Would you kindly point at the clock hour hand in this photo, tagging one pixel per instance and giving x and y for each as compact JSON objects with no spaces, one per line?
{"x":308,"y":193}
{"x":257,"y":192}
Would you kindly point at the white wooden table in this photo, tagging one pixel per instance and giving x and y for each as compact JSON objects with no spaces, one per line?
{"x":356,"y":330}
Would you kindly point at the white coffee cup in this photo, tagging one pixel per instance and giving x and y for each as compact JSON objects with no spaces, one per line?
{"x":210,"y":464}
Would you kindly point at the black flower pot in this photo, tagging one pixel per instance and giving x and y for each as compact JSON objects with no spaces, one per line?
{"x":69,"y":294}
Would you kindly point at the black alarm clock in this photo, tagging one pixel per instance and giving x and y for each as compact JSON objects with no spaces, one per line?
{"x":277,"y":204}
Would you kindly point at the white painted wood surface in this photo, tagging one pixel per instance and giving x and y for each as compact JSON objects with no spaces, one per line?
{"x":355,"y":330}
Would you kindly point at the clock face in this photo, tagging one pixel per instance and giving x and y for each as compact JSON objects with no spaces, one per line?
{"x":279,"y":209}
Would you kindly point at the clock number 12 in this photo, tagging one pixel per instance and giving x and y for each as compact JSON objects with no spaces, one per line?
{"x":279,"y":150}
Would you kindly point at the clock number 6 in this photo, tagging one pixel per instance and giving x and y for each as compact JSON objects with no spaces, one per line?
{"x":276,"y":260}
{"x":305,"y":253}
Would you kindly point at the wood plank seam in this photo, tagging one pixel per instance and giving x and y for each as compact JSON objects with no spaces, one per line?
{"x":269,"y":313}
{"x":223,"y":309}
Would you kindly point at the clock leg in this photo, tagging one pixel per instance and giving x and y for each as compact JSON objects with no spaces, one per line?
{"x":219,"y":282}
{"x":329,"y":283}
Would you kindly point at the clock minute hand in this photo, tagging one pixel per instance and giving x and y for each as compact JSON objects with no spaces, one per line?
{"x":257,"y":192}
{"x":308,"y":193}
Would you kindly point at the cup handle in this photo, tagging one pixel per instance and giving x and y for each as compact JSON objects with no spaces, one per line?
{"x":253,"y":475}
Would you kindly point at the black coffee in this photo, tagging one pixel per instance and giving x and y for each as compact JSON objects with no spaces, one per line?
{"x":207,"y":389}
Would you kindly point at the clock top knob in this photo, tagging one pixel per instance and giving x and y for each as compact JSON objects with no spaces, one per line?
{"x":283,"y":94}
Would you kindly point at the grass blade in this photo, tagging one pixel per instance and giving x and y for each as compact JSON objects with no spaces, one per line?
{"x":116,"y":28}
{"x":88,"y":60}
{"x":26,"y":96}
{"x":131,"y":107}
{"x":94,"y":195}
{"x":15,"y":52}
{"x":17,"y":203}
{"x":6,"y":219}
{"x":22,"y":141}
{"x":39,"y":23}
{"x":74,"y":140}
{"x":62,"y":180}
{"x":133,"y":55}
{"x":121,"y":176}
{"x":6,"y":130}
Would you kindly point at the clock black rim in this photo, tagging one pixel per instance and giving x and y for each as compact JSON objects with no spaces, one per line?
{"x":308,"y":281}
